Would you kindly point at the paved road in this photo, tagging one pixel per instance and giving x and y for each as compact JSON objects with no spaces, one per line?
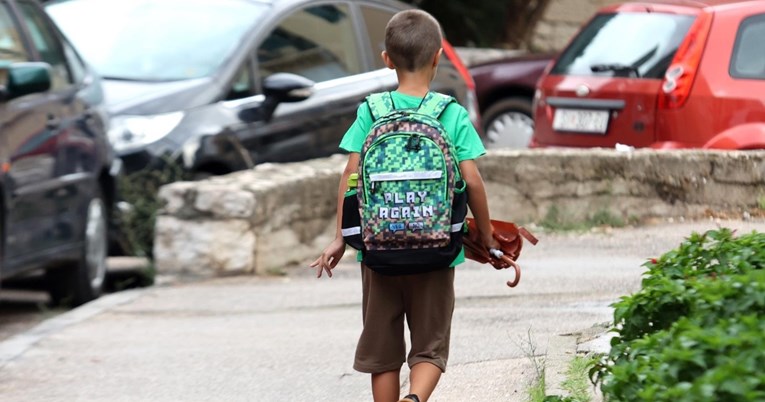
{"x":292,"y":337}
{"x":21,"y":310}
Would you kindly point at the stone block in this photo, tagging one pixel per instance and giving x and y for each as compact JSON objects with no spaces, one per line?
{"x":738,"y":167}
{"x":286,"y":246}
{"x":211,"y":227}
{"x":224,"y":201}
{"x":176,"y":196}
{"x":204,"y":248}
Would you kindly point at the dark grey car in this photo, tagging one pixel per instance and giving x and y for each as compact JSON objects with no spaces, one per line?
{"x":224,"y":84}
{"x":58,"y":172}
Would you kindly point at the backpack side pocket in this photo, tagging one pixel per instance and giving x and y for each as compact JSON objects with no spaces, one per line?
{"x":459,"y":211}
{"x":351,"y":222}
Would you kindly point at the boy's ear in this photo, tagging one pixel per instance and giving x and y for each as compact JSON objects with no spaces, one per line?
{"x":386,"y":59}
{"x":437,"y":57}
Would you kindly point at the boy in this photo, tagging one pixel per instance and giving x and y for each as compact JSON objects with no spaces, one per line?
{"x":412,"y":48}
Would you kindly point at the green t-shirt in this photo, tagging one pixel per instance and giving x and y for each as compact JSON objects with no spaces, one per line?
{"x":456,"y":122}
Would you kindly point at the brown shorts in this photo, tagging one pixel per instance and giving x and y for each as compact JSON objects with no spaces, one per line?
{"x":427,"y":302}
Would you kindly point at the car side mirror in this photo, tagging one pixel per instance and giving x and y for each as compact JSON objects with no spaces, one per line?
{"x":286,"y":87}
{"x":278,"y":88}
{"x":24,"y":78}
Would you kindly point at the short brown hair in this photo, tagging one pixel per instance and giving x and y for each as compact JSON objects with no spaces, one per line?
{"x":412,"y":38}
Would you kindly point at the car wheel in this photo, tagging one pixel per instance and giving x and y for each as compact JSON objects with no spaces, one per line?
{"x":508,"y":123}
{"x":83,"y":281}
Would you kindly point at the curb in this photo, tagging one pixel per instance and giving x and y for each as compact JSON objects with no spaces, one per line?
{"x":563,"y":348}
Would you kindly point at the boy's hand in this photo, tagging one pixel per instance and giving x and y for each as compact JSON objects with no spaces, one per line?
{"x":491,"y":243}
{"x":329,"y":258}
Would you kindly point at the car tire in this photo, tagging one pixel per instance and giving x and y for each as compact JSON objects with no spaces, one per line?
{"x":508,"y":123}
{"x":83,"y":280}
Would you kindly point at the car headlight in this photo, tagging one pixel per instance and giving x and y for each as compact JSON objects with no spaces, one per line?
{"x":129,"y":132}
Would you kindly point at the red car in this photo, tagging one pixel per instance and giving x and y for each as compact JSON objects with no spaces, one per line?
{"x":505,"y":90}
{"x":669,"y":74}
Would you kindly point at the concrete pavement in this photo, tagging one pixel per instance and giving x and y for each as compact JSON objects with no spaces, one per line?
{"x":293,"y":337}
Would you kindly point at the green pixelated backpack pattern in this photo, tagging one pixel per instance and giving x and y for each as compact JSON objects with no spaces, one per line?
{"x":409,"y":197}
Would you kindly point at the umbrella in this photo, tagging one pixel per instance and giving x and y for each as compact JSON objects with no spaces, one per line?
{"x":510,"y":238}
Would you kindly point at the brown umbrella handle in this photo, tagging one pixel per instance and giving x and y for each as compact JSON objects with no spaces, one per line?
{"x":517,"y":269}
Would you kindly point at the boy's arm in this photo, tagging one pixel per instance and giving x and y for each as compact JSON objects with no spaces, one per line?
{"x":334,"y":252}
{"x":478,"y":203}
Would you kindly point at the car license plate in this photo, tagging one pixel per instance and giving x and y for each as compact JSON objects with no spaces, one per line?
{"x":582,"y":121}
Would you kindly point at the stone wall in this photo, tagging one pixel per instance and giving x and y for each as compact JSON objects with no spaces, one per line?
{"x":562,"y":20}
{"x":275,"y":215}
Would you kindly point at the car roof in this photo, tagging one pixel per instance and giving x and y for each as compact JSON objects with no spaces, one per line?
{"x":294,"y":2}
{"x":394,"y":3}
{"x":692,"y":4}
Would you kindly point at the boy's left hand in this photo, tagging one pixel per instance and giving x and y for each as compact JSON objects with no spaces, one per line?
{"x":329,"y":258}
{"x":491,"y":243}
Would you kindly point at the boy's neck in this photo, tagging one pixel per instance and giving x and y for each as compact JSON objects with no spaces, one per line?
{"x":415,"y":83}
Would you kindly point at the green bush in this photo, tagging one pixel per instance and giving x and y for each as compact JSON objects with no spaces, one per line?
{"x":140,"y":190}
{"x":694,"y":330}
{"x":693,"y":362}
{"x":667,"y":292}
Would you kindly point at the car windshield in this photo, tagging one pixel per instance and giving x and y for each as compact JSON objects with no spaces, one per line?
{"x":639,"y":45}
{"x":149,"y":40}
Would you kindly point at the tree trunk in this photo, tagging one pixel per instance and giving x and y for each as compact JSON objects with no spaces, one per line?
{"x":522,"y":17}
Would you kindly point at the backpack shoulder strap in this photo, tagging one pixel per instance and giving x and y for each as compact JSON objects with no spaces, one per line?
{"x":380,"y":104}
{"x":434,"y":104}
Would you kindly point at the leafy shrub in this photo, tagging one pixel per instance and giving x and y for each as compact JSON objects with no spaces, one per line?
{"x":141,"y":190}
{"x":693,"y":362}
{"x":667,"y":290}
{"x":694,"y":330}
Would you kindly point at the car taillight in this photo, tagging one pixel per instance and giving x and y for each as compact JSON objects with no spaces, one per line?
{"x":472,"y":100}
{"x":682,"y":71}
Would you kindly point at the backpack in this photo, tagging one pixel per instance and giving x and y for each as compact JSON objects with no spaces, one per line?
{"x":407,"y":207}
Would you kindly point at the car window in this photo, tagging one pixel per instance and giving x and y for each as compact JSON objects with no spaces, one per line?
{"x":748,"y":59}
{"x":317,"y":42}
{"x":376,"y":19}
{"x":11,"y":47}
{"x":76,"y":64}
{"x":150,"y":40}
{"x":46,"y":42}
{"x":242,"y":86}
{"x":625,"y":44}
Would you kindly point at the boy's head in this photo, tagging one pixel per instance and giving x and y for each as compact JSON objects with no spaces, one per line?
{"x":412,"y":40}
